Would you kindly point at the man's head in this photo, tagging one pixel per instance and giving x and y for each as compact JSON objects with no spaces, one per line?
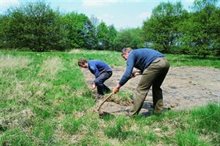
{"x":83,"y":63}
{"x":125,"y":52}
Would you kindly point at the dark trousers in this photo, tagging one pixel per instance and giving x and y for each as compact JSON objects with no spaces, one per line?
{"x":99,"y":82}
{"x":152,"y":76}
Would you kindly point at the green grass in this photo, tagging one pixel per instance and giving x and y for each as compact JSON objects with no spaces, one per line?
{"x":45,"y":101}
{"x":118,"y":129}
{"x":188,"y":60}
{"x":16,"y":137}
{"x":189,"y":137}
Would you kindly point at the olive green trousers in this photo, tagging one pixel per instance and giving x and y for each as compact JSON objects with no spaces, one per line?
{"x":152,"y":76}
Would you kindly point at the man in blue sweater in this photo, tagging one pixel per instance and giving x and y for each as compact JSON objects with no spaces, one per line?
{"x":153,"y":67}
{"x":102,"y":72}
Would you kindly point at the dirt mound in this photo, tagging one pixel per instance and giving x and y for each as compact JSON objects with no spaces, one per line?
{"x":183,"y":88}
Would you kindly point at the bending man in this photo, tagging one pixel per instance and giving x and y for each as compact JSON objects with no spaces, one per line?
{"x":153,"y":67}
{"x":102,"y":72}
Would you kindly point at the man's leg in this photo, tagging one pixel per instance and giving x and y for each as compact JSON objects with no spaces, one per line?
{"x":156,"y":87}
{"x":143,"y":87}
{"x":99,"y":82}
{"x":106,"y":89}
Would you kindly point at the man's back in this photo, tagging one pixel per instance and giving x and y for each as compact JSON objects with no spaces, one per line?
{"x":96,"y":67}
{"x":143,"y":57}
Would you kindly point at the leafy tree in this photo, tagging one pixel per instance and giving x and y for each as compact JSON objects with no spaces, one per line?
{"x":215,"y":32}
{"x":103,"y":36}
{"x":201,"y":29}
{"x":35,"y":26}
{"x":89,"y":35}
{"x":207,"y":15}
{"x":3,"y":25}
{"x":161,"y":29}
{"x":14,"y":31}
{"x":77,"y":28}
{"x":129,"y":38}
{"x":112,"y":36}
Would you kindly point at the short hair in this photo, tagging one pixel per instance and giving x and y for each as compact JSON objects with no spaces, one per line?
{"x":126,"y":50}
{"x":82,"y":62}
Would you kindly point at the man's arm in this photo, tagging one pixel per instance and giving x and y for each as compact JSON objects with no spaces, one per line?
{"x":128,"y":72}
{"x":127,"y":75}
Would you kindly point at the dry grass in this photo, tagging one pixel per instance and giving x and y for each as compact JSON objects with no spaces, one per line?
{"x":51,"y":67}
{"x":81,"y":51}
{"x":17,"y":119}
{"x":74,"y":51}
{"x":13,"y":62}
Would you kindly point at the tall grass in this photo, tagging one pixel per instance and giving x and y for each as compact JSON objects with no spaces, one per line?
{"x":44,"y":100}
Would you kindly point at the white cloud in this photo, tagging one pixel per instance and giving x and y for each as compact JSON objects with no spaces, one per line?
{"x":98,"y":3}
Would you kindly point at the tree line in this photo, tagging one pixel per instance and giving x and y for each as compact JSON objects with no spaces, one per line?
{"x":170,"y":29}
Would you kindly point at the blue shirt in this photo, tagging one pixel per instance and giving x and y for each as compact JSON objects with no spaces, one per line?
{"x":97,"y":67}
{"x":140,"y":59}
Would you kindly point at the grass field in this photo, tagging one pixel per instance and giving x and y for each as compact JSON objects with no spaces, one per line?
{"x":45,"y":101}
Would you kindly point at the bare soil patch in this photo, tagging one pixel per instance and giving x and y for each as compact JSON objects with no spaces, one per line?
{"x":183,"y":88}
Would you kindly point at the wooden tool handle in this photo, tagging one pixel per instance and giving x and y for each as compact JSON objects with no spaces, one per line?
{"x":104,"y":101}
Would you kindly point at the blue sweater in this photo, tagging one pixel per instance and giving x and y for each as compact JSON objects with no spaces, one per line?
{"x":97,"y":67}
{"x":140,"y":59}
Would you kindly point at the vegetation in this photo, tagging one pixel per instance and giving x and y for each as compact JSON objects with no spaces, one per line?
{"x":170,"y":29}
{"x":44,"y":97}
{"x":45,"y":101}
{"x":35,"y":26}
{"x":173,"y":29}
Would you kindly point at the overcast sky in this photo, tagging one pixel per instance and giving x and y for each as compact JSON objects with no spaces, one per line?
{"x":120,"y":13}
